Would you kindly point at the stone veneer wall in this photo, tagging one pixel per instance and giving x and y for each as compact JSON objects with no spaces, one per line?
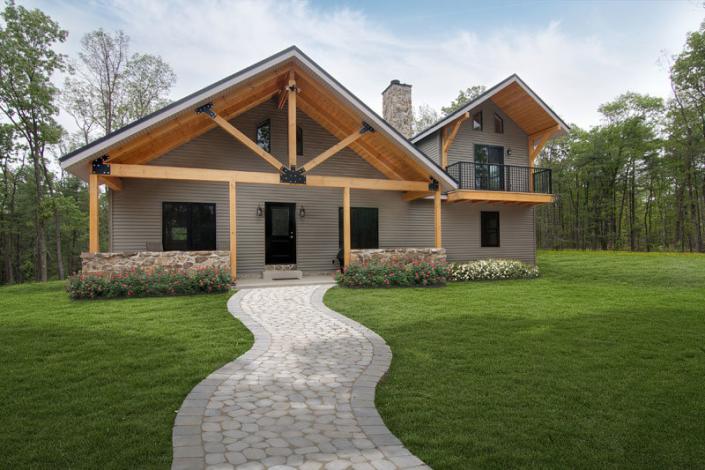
{"x":149,"y":260}
{"x":398,"y":255}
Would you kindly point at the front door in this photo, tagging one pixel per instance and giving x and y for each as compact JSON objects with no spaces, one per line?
{"x":280,"y":233}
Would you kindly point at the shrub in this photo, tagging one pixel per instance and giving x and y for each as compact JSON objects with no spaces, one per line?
{"x":491,"y":270}
{"x":414,"y":274}
{"x":140,"y":283}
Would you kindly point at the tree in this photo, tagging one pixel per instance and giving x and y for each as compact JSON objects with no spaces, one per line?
{"x":464,"y":96}
{"x":424,"y":116}
{"x":27,"y":98}
{"x":110,"y":89}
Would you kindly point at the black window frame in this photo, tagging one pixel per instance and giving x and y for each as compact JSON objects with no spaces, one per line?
{"x":477,"y":124}
{"x":485,"y":236}
{"x":191,"y":240}
{"x":299,"y":141}
{"x":498,"y":118}
{"x":355,"y":214}
{"x":266,"y":146}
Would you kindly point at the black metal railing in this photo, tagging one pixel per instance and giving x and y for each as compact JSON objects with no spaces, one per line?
{"x":495,"y":177}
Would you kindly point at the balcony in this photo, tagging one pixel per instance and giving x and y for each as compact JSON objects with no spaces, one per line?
{"x":490,"y":182}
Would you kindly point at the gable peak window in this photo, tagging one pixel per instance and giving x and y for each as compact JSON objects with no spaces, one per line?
{"x":477,"y":121}
{"x":299,"y":141}
{"x":263,"y":136}
{"x":498,"y":124}
{"x":489,"y":226}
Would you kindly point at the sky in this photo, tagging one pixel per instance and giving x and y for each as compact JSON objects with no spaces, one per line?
{"x":575,"y":54}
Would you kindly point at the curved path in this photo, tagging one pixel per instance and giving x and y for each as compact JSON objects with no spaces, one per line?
{"x":302,"y":397}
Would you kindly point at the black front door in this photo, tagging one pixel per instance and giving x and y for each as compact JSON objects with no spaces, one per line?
{"x":280,"y":233}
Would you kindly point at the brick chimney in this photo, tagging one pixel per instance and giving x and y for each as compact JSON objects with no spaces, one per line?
{"x":396,"y":107}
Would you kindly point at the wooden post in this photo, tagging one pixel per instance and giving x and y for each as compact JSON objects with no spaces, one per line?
{"x":233,"y":229}
{"x":346,"y":226}
{"x":292,"y":120}
{"x":437,"y":217}
{"x":93,"y":207}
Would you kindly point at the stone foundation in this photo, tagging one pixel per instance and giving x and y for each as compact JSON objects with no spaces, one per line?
{"x":149,"y":260}
{"x":398,"y":255}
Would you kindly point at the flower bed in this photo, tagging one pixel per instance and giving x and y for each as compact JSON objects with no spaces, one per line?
{"x":492,"y":270}
{"x":415,"y":274}
{"x":140,"y":283}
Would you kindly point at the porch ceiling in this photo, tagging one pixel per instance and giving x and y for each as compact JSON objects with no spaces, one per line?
{"x":524,"y":110}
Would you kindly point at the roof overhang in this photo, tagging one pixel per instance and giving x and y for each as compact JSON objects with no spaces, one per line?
{"x":77,"y":161}
{"x":517,"y":101}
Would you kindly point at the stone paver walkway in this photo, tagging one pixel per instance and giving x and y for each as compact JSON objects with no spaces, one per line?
{"x":302,"y":397}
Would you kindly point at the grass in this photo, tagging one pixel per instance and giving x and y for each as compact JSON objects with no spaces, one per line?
{"x":96,"y":384}
{"x":600,"y":363}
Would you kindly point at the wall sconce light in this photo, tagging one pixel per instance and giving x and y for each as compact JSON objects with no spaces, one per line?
{"x":302,"y":211}
{"x":509,"y":151}
{"x":260,"y":212}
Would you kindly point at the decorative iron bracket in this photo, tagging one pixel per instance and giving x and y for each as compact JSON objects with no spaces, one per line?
{"x":100,"y":166}
{"x":206,"y":109}
{"x":433,"y":185}
{"x":292,"y":175}
{"x":366,"y":128}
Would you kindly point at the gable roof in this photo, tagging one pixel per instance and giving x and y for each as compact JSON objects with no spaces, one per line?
{"x":75,"y":162}
{"x":517,"y":100}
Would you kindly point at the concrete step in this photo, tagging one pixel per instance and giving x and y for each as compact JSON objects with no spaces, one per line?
{"x":279,"y":275}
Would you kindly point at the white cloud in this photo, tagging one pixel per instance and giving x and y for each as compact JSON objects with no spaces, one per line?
{"x":205,"y":41}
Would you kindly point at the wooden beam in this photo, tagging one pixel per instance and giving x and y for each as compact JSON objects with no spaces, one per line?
{"x":346,"y":226}
{"x":235,"y":132}
{"x":233,"y":228}
{"x":335,"y":128}
{"x":332,"y":151}
{"x":291,"y":109}
{"x":365,"y":183}
{"x":448,"y":136}
{"x":538,"y":140}
{"x":203,"y":174}
{"x":191,"y":125}
{"x":498,"y":196}
{"x":283,"y":96}
{"x":93,"y":215}
{"x":536,"y":143}
{"x":112,"y":182}
{"x":412,"y":196}
{"x":437,"y":217}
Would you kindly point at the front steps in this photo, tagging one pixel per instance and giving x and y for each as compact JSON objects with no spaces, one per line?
{"x":278,"y":272}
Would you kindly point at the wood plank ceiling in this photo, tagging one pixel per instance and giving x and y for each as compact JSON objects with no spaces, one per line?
{"x":523,"y":109}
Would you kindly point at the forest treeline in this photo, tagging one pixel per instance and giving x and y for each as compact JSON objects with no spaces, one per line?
{"x":634,"y":182}
{"x":43,"y":211}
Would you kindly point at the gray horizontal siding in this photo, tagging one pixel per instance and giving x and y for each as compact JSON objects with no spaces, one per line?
{"x":431,"y":146}
{"x":136,"y":214}
{"x":513,"y":138}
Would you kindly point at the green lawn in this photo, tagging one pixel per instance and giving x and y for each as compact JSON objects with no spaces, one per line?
{"x":96,"y":384}
{"x":599,"y":363}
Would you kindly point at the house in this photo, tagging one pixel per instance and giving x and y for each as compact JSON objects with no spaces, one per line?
{"x":279,"y":166}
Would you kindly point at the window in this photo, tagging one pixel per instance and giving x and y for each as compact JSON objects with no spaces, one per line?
{"x":498,"y":124}
{"x":188,"y":226}
{"x":489,"y":222}
{"x":364,"y":227}
{"x":477,"y":121}
{"x":263,"y":136}
{"x":299,"y":141}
